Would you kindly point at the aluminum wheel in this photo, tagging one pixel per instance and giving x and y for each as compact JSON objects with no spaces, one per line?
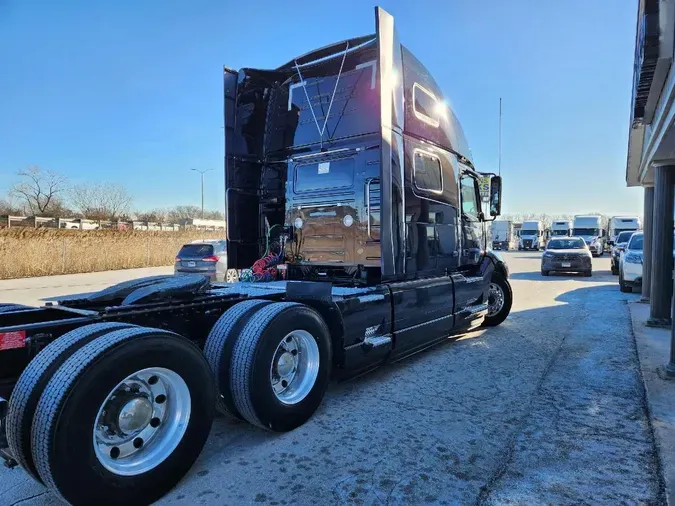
{"x":295,"y":367}
{"x":495,"y":299}
{"x":141,"y":421}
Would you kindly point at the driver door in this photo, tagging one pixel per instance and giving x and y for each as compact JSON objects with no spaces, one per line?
{"x":471,"y":225}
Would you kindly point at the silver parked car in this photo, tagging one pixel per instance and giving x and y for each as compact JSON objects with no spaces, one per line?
{"x":205,"y":257}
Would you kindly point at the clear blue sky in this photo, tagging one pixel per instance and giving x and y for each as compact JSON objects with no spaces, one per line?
{"x":132,"y":91}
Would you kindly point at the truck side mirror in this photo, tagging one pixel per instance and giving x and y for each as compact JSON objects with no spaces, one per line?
{"x":495,"y":196}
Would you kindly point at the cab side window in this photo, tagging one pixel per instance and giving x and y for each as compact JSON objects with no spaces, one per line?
{"x":470,"y":205}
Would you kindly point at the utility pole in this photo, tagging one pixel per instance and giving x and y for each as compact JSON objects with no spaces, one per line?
{"x":202,"y":172}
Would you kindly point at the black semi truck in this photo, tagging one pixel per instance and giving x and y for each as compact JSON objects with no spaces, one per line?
{"x":354,"y":217}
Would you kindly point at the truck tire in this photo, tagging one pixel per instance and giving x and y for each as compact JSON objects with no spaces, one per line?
{"x":502,"y":295}
{"x":33,"y":381}
{"x":218,"y":350}
{"x":124,"y":389}
{"x":281,"y":366}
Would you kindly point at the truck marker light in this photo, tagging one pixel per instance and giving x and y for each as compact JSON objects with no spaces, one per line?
{"x":298,"y":223}
{"x":348,"y":220}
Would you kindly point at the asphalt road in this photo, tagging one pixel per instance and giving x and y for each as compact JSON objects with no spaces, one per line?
{"x":548,"y":408}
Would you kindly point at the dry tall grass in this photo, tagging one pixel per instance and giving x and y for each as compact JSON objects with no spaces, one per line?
{"x":28,"y":252}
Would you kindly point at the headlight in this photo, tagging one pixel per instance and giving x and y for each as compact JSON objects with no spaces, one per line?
{"x":633,"y":258}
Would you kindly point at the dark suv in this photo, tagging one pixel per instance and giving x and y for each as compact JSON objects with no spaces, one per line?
{"x":567,"y":254}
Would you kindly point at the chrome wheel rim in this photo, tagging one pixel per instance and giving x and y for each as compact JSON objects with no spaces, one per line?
{"x":295,"y":367}
{"x":495,"y":299}
{"x":231,"y":276}
{"x":141,"y":421}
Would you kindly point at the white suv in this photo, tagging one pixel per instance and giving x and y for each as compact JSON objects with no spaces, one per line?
{"x":630,"y":264}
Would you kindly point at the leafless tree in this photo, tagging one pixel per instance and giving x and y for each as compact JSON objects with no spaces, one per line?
{"x":40,"y":190}
{"x":9,"y":206}
{"x":104,"y":201}
{"x":153,"y":216}
{"x":178,"y":213}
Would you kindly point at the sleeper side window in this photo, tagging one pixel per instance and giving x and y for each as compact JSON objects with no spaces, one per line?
{"x":428,"y":175}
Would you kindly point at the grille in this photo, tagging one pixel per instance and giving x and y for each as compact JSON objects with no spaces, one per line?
{"x":527,"y":243}
{"x":568,"y":257}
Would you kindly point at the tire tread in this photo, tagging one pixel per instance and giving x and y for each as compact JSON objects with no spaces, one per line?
{"x":243,"y":355}
{"x":57,"y":391}
{"x":219,"y":336}
{"x":24,"y":402}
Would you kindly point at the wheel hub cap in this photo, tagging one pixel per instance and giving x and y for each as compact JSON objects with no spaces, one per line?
{"x":141,"y":421}
{"x":495,"y":299}
{"x":286,"y":364}
{"x":295,"y":367}
{"x":135,"y":415}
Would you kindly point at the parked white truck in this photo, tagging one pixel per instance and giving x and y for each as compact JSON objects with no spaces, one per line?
{"x":503,"y":235}
{"x":561,"y":228}
{"x":589,"y":228}
{"x":618,"y":224}
{"x":531,"y":235}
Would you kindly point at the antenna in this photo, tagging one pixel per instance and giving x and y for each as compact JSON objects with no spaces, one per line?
{"x":500,"y":137}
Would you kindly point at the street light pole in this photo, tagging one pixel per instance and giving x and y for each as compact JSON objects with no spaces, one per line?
{"x":202,"y":172}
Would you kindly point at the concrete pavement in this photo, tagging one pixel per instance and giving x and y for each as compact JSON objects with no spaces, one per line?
{"x":30,"y":291}
{"x":548,"y":408}
{"x":653,"y":345}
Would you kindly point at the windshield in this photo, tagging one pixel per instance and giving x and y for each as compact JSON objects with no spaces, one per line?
{"x":566,"y":244}
{"x":636,"y":242}
{"x":624,"y":236}
{"x":528,"y":232}
{"x":561,"y":232}
{"x":586,"y":231}
{"x":618,"y":231}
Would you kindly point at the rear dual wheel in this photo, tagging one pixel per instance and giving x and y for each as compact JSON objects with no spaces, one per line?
{"x":123,"y":417}
{"x":271,"y":362}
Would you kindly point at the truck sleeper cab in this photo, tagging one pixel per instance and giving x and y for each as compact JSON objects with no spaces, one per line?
{"x":531,"y":236}
{"x":561,"y":228}
{"x":589,"y":228}
{"x":355,"y":218}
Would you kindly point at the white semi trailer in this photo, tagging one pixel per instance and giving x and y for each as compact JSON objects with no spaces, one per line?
{"x":589,"y":228}
{"x":531,"y":235}
{"x":561,"y":228}
{"x":503,"y":235}
{"x":618,"y":224}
